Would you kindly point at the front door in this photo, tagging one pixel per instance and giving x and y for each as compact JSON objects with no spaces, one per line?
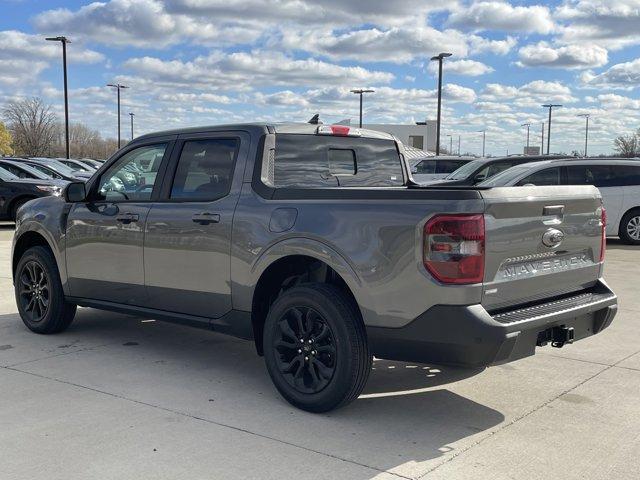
{"x":104,"y":239}
{"x":188,"y":240}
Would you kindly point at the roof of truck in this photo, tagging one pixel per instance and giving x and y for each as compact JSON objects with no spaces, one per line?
{"x":290,"y":127}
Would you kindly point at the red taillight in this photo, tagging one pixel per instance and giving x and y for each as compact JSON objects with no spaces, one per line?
{"x":603,"y":241}
{"x":453,"y":248}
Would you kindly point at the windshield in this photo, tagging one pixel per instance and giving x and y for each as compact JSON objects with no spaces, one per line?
{"x":60,"y":168}
{"x":466,"y":170}
{"x":6,"y":175}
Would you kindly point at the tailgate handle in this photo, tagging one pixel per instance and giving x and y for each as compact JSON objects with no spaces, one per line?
{"x":553,"y":210}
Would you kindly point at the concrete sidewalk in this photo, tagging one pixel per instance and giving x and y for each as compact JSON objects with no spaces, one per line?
{"x":116,"y":397}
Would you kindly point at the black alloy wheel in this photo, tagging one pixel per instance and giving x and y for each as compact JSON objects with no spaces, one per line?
{"x":306,"y":353}
{"x":34,"y":290}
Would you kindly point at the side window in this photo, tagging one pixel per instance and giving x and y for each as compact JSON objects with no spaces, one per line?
{"x":205,"y":169}
{"x":133,"y":176}
{"x":598,"y":175}
{"x":548,"y":176}
{"x":499,"y":167}
{"x":426,"y":166}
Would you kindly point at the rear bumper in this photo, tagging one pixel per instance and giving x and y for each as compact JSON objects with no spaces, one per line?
{"x":469,"y":336}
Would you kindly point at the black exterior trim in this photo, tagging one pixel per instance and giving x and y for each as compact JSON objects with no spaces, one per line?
{"x":468,"y":336}
{"x":236,"y":323}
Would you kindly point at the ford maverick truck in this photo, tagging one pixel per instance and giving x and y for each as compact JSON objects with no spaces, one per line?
{"x":313,"y":242}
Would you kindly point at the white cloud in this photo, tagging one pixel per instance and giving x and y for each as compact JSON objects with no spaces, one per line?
{"x":396,"y":45}
{"x":543,"y":54}
{"x":624,"y":76}
{"x":608,"y":23}
{"x":502,"y":16}
{"x":469,"y":68}
{"x":240,"y":70}
{"x":529,"y":95}
{"x":478,"y":45}
{"x":23,"y":57}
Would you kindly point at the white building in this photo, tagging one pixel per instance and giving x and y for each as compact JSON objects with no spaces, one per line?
{"x":421,"y":135}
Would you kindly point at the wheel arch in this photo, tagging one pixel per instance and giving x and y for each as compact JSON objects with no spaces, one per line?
{"x":291,"y":263}
{"x":26,"y":240}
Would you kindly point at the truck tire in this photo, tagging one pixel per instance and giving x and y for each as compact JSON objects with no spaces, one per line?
{"x":630,"y":228}
{"x":315,"y":347}
{"x":39,"y":294}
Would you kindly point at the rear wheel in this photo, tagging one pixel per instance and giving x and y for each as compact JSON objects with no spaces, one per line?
{"x":315,"y":347}
{"x":39,"y":295}
{"x":630,"y":228}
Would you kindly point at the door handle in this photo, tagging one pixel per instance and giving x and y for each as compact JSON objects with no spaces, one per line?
{"x":127,"y":218}
{"x":206,"y":218}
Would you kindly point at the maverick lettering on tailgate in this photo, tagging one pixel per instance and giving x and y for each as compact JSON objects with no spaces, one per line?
{"x":543,"y":266}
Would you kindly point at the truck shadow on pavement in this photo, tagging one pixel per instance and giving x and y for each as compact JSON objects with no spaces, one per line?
{"x":405,"y":416}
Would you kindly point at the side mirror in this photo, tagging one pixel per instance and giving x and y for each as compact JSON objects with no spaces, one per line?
{"x":75,"y":192}
{"x":478,"y":178}
{"x":414,"y":170}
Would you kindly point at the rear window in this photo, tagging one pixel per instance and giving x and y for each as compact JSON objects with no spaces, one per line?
{"x":315,"y":161}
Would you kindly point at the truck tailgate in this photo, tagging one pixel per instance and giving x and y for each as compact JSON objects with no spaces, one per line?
{"x":541,"y":242}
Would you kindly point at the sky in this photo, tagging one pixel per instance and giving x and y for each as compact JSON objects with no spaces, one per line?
{"x":204,"y":62}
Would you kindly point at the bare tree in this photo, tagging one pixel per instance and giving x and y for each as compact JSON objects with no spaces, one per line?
{"x":628,"y":145}
{"x":32,"y":125}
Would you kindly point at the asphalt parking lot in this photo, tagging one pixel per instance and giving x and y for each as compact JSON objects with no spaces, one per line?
{"x":123,"y":397}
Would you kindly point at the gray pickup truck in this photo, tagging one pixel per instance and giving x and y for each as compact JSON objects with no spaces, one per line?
{"x":314,"y":242}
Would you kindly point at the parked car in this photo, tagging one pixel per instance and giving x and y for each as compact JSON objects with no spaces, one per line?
{"x":22,"y":170}
{"x":617,"y":179}
{"x":49,"y":164}
{"x":77,"y":165}
{"x":482,"y":169}
{"x":16,"y":191}
{"x":311,"y":241}
{"x":437,"y":168}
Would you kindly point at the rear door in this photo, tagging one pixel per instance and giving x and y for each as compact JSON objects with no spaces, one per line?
{"x":541,"y":241}
{"x":188,"y":235}
{"x":104,"y":238}
{"x":610,"y":183}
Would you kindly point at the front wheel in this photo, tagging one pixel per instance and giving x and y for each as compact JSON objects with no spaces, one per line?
{"x":630,"y":228}
{"x":315,"y":347}
{"x":39,"y":294}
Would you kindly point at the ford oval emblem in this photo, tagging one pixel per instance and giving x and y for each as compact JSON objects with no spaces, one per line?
{"x":552,"y":237}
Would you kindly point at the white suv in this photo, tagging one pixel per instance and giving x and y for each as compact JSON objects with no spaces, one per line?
{"x":618,"y":180}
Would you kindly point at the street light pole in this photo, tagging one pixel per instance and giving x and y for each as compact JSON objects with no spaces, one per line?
{"x":542,"y":142}
{"x":64,"y":41}
{"x":528,"y":125}
{"x":484,"y":138}
{"x":439,"y":58}
{"x":118,"y":87}
{"x":586,"y":131}
{"x":550,"y":107}
{"x":458,"y":145}
{"x":361,"y":91}
{"x":132,"y":115}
